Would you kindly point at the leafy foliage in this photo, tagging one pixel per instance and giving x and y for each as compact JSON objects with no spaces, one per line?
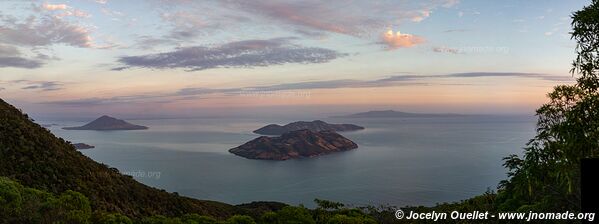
{"x":21,"y":204}
{"x":111,"y":218}
{"x":290,"y":215}
{"x":547,"y":176}
{"x":25,"y":205}
{"x":240,"y":219}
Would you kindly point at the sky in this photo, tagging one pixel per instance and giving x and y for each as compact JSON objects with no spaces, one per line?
{"x":143,"y":58}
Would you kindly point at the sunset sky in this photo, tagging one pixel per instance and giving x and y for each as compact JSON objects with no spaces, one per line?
{"x":184,"y":57}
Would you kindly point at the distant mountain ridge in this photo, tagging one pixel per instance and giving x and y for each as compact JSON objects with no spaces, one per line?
{"x":294,"y":144}
{"x":316,"y":126}
{"x":107,"y":123}
{"x":393,"y":113}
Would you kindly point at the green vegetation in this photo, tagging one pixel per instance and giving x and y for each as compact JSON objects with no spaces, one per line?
{"x":547,"y":177}
{"x":43,"y":179}
{"x":19,"y":204}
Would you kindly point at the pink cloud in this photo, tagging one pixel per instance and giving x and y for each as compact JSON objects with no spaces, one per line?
{"x":400,"y":40}
{"x":308,"y":14}
{"x":421,"y":15}
{"x":53,"y":7}
{"x":45,"y":31}
{"x":344,"y":17}
{"x":65,"y":10}
{"x":74,"y":12}
{"x":362,"y":19}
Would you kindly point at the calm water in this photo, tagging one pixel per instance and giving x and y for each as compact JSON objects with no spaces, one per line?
{"x":400,"y":161}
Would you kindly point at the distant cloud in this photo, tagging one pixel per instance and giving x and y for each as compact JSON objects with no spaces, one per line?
{"x":449,"y":3}
{"x":53,"y":7}
{"x":240,"y":54}
{"x":65,"y":10}
{"x":149,"y":42}
{"x":351,"y":18}
{"x":7,"y":50}
{"x":35,"y":85}
{"x":399,"y":40}
{"x":554,"y":30}
{"x":457,"y":30}
{"x":111,"y":13}
{"x":396,"y":80}
{"x":19,"y":62}
{"x":79,"y":102}
{"x":36,"y":33}
{"x":309,"y":14}
{"x":44,"y":86}
{"x":421,"y":15}
{"x":43,"y":31}
{"x":540,"y":76}
{"x":74,"y":12}
{"x":10,"y":56}
{"x":404,"y":79}
{"x":311,"y":34}
{"x":310,"y":18}
{"x":186,"y":24}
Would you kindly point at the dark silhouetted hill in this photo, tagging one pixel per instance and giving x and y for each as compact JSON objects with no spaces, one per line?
{"x":107,"y":123}
{"x":317,"y":125}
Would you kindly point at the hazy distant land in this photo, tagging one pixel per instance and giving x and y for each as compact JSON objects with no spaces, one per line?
{"x":393,"y":113}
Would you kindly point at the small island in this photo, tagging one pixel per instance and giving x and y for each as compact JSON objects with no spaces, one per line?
{"x":316,"y":126}
{"x":107,"y":123}
{"x":83,"y":146}
{"x":294,"y":144}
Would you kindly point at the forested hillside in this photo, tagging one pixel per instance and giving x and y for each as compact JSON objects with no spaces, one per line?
{"x":36,"y":158}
